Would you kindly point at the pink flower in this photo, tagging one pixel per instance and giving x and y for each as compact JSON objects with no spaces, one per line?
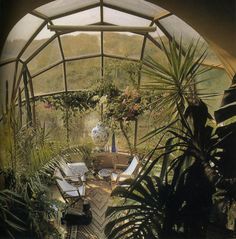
{"x":136,"y":107}
{"x":47,"y":105}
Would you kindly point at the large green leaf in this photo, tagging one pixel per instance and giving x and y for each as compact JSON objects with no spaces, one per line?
{"x":132,"y":219}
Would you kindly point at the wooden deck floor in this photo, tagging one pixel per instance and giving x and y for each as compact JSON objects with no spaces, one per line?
{"x":98,"y":194}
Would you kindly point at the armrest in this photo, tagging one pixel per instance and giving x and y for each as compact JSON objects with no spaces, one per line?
{"x":121,"y":177}
{"x":67,"y":191}
{"x":70,"y":178}
{"x":83,"y":178}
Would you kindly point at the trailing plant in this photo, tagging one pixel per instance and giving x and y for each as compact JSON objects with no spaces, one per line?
{"x":126,"y":106}
{"x":76,"y":101}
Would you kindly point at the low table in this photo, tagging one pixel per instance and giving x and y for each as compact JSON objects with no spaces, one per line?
{"x":105,"y":173}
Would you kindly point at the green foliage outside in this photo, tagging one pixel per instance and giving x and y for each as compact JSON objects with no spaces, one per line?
{"x":85,"y":74}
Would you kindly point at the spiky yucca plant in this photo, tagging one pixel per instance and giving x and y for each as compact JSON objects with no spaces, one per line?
{"x":190,"y":171}
{"x":175,"y":81}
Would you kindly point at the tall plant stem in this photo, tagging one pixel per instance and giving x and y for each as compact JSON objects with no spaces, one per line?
{"x":67,"y":127}
{"x":126,"y":137}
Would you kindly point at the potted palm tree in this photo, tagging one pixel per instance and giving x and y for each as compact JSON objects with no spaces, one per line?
{"x":177,"y":202}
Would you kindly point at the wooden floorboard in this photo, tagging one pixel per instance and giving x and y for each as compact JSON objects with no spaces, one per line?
{"x":98,"y":194}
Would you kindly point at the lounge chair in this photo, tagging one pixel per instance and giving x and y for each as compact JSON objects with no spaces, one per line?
{"x":67,"y":190}
{"x":74,"y":172}
{"x":128,"y":172}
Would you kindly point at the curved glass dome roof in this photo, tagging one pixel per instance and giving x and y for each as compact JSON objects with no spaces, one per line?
{"x":57,"y":62}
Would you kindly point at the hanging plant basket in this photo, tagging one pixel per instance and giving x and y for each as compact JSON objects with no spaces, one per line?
{"x":127,"y":106}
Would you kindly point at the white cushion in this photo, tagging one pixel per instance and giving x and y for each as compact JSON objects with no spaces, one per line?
{"x":67,"y":188}
{"x":78,"y":168}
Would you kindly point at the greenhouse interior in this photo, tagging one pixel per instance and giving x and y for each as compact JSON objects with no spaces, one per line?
{"x":118,"y":119}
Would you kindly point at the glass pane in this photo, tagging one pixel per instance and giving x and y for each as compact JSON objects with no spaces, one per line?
{"x":53,"y":120}
{"x":50,"y":54}
{"x":6,"y":74}
{"x":151,"y":50}
{"x":123,"y":73}
{"x":147,"y":122}
{"x":82,"y":44}
{"x":81,"y":18}
{"x":155,"y":53}
{"x":39,"y":40}
{"x":19,"y":35}
{"x":121,"y":142}
{"x":19,"y":74}
{"x":211,"y":58}
{"x":81,"y":126}
{"x":22,"y":88}
{"x":49,"y":81}
{"x":82,"y":74}
{"x":215,"y":81}
{"x":59,"y":7}
{"x":139,"y":6}
{"x":178,"y":28}
{"x":124,"y":19}
{"x":123,"y":44}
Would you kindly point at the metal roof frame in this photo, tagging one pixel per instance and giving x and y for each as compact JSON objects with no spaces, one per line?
{"x":101,"y":4}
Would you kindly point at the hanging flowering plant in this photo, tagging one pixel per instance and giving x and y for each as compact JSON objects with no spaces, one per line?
{"x":126,"y":106}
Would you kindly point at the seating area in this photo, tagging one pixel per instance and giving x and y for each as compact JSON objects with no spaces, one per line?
{"x":77,"y":172}
{"x":74,"y":181}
